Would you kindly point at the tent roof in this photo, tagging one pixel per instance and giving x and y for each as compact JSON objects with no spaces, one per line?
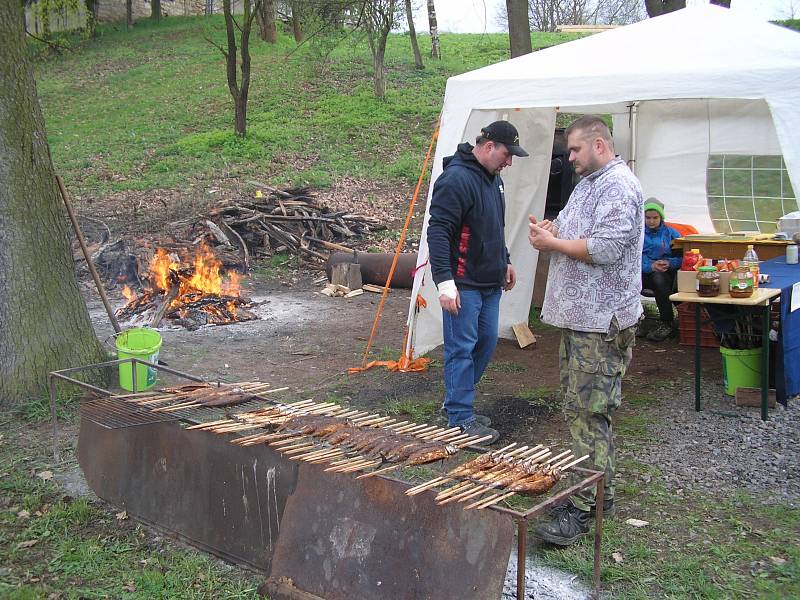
{"x":698,"y":52}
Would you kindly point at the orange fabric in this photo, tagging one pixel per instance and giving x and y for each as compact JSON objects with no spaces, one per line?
{"x":683,"y":228}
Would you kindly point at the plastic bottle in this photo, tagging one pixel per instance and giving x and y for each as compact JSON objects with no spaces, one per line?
{"x":692,"y":260}
{"x":791,"y":254}
{"x":751,"y":261}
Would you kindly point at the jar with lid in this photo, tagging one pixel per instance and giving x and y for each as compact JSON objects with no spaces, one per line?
{"x":707,"y":282}
{"x":741,"y":284}
{"x":791,"y":254}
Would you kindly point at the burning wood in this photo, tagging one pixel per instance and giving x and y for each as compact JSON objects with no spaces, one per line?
{"x":188,"y":295}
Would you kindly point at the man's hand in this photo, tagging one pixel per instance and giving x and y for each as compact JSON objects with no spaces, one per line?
{"x":541,"y":238}
{"x":546,"y":224}
{"x":451,"y":305}
{"x":511,"y":278}
{"x":660,"y":265}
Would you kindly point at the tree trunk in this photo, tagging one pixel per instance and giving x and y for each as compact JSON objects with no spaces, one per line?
{"x":155,"y":10}
{"x":128,"y":14}
{"x":91,"y":17}
{"x":297,"y":27}
{"x":239,"y":93}
{"x":413,"y":34}
{"x":379,"y":76}
{"x":45,"y":324}
{"x":656,"y":8}
{"x":519,"y":29}
{"x":436,"y":51}
{"x":267,"y":29}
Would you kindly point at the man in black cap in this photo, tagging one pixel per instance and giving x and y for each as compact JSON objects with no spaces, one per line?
{"x":471,"y":265}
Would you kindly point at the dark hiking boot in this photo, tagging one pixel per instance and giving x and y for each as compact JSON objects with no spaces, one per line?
{"x":662,"y":331}
{"x":643,"y":328}
{"x":474,"y":428}
{"x":568,"y":524}
{"x":609,"y":510}
{"x":482,"y":419}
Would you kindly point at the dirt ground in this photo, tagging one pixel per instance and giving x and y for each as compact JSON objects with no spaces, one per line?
{"x":307,"y":341}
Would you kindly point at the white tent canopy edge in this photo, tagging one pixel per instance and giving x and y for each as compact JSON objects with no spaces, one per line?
{"x":702,"y":80}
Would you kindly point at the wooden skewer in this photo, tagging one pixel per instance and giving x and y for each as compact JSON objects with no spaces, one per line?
{"x":490,"y":501}
{"x":573,"y":463}
{"x":417,"y":489}
{"x":379,"y":471}
{"x":297,"y":449}
{"x":208,"y":425}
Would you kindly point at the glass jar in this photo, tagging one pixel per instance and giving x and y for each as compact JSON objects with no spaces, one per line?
{"x":742,"y":283}
{"x":707,"y":282}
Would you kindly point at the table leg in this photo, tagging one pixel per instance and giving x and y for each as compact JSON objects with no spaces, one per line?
{"x":522,"y":557}
{"x":599,"y":498}
{"x":765,"y":364}
{"x":697,"y":326}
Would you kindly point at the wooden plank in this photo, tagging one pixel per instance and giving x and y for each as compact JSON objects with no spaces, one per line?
{"x":746,"y":396}
{"x":347,"y":275}
{"x":523,"y":334}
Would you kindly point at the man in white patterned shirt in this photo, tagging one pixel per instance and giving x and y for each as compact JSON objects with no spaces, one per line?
{"x":593,"y":288}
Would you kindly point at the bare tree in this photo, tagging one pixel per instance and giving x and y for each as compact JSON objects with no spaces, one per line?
{"x":436,"y":51}
{"x":413,"y":35}
{"x":267,"y":28}
{"x":657,"y":8}
{"x":239,"y":91}
{"x":519,"y":28}
{"x":378,"y":17}
{"x":45,"y":324}
{"x":128,"y":14}
{"x":155,"y":10}
{"x":297,"y":26}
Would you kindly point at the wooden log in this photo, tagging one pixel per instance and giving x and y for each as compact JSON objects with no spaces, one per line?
{"x":523,"y":334}
{"x":347,"y":275}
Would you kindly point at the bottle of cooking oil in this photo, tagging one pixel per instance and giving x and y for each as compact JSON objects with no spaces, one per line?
{"x":751,"y":262}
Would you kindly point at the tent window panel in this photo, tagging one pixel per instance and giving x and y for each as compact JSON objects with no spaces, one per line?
{"x":748,"y":193}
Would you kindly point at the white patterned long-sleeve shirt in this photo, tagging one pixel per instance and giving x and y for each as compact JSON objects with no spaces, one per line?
{"x":606,"y":209}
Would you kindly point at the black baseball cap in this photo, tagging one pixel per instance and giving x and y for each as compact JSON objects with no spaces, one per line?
{"x":504,"y":133}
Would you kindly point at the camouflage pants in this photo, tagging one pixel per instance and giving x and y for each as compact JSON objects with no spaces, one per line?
{"x":591,"y":368}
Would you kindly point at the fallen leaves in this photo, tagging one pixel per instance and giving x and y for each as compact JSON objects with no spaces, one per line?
{"x":27,"y":544}
{"x":617,"y":556}
{"x":45,"y":475}
{"x":122,"y":515}
{"x":23,"y":514}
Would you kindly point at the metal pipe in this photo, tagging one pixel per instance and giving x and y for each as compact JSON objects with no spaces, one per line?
{"x":375,"y":267}
{"x":522,"y":544}
{"x":599,"y":498}
{"x":99,"y":284}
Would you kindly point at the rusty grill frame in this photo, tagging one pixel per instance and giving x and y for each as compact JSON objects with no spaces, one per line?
{"x":590,"y":479}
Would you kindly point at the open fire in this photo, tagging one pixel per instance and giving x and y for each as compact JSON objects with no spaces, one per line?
{"x":189,"y":292}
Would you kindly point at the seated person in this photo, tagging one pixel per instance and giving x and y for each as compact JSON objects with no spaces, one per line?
{"x":659,"y":266}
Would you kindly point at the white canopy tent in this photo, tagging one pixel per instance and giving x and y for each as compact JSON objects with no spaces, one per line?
{"x":679,"y":88}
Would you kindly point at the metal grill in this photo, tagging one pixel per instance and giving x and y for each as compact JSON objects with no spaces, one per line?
{"x":112,"y":413}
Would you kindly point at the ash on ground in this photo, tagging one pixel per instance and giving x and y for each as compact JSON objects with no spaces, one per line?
{"x":543,"y":583}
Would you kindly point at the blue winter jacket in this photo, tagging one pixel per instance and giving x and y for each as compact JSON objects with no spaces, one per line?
{"x":466,"y":238}
{"x":657,"y":247}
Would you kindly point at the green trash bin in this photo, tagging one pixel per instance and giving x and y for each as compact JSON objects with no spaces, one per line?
{"x":141,"y":343}
{"x":740,"y":368}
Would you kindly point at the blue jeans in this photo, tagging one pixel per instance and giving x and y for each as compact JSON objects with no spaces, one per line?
{"x":470,"y":338}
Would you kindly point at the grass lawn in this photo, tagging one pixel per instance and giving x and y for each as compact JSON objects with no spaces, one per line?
{"x":150,"y":108}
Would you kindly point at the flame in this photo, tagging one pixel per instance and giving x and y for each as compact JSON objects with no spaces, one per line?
{"x":160,"y":267}
{"x":129,"y":294}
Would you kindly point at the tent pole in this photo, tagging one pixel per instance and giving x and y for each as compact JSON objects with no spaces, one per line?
{"x":633,"y":112}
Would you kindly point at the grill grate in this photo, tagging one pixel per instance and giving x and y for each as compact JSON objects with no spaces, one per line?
{"x":113,"y":413}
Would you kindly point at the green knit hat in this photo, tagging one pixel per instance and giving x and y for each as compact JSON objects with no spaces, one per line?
{"x":655,"y":204}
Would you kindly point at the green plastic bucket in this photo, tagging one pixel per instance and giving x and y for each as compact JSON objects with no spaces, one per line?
{"x":143,"y":344}
{"x":740,"y":368}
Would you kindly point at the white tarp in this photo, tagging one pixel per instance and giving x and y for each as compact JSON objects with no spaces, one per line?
{"x":696,"y":81}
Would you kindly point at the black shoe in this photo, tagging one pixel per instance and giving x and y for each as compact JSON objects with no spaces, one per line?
{"x":474,"y":428}
{"x":482,"y":419}
{"x":567,"y":526}
{"x":609,"y":510}
{"x":643,"y":328}
{"x":662,"y":331}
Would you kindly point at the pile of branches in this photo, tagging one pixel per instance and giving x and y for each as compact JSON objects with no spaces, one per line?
{"x":285,"y":221}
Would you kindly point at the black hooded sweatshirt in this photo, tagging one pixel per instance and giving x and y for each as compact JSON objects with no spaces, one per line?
{"x":466,"y":239}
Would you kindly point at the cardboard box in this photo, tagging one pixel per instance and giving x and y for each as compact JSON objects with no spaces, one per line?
{"x":687,"y":281}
